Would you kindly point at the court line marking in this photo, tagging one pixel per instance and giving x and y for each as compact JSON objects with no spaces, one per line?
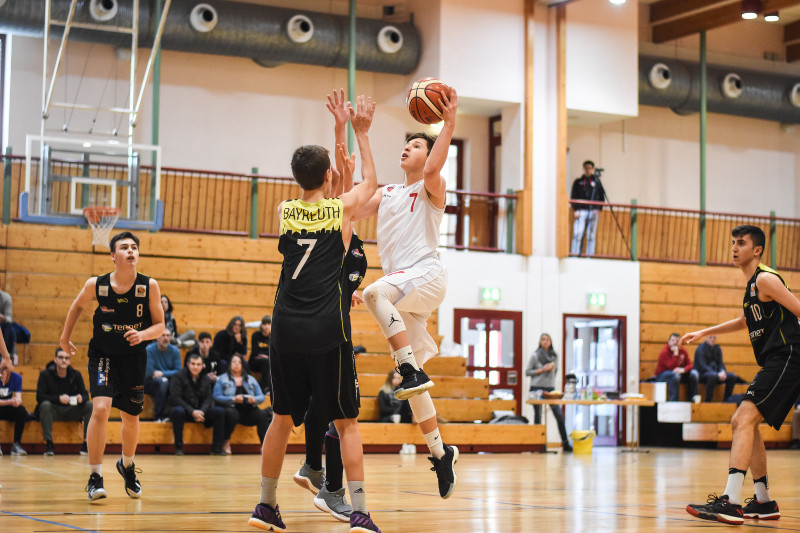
{"x":28,"y":517}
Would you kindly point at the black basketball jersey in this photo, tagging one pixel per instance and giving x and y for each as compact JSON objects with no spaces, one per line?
{"x":310,"y":312}
{"x":771,"y":326}
{"x":116,"y":311}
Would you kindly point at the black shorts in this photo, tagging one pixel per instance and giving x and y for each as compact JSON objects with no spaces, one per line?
{"x":328,"y":377}
{"x":776,"y":386}
{"x":120,"y":377}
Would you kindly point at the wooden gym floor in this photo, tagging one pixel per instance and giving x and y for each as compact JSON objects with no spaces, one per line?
{"x":607,"y":491}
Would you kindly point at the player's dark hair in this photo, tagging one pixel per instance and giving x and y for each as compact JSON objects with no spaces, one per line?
{"x":429,"y":139}
{"x":756,"y":235}
{"x":309,"y":165}
{"x":119,"y":236}
{"x":588,"y":162}
{"x":169,"y":303}
{"x":203,"y":335}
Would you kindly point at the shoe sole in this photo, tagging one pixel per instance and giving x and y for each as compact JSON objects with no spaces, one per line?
{"x":725,"y":519}
{"x":260,"y":524}
{"x":405,"y":394}
{"x":761,"y":516}
{"x":306,"y":484}
{"x":455,"y":477}
{"x":134,"y":495}
{"x":98,"y":495}
{"x":322,"y":505}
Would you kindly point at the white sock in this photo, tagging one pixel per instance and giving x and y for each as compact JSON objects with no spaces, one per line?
{"x":127,"y":460}
{"x":733,"y":490}
{"x":96,"y":469}
{"x":435,"y":444}
{"x":269,"y":493}
{"x":405,"y":355}
{"x":762,"y":489}
{"x":358,"y":498}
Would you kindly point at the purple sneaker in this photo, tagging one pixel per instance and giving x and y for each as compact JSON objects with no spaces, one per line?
{"x":266,"y":518}
{"x":362,"y":523}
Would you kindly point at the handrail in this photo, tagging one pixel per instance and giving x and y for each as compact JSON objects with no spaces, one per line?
{"x":682,"y":210}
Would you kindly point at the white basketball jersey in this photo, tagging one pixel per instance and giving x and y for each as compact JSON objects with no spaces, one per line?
{"x":408,"y":226}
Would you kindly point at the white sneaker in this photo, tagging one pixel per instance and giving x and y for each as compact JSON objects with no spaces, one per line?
{"x":696,"y":398}
{"x":334,"y":503}
{"x":16,"y":449}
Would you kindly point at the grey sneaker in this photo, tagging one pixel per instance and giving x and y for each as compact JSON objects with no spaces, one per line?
{"x":334,"y":503}
{"x":16,"y":449}
{"x":310,"y":479}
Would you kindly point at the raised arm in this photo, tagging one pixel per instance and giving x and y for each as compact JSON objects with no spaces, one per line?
{"x":81,"y":301}
{"x":432,"y":173}
{"x":361,"y":119}
{"x":340,"y":109}
{"x":726,"y":327}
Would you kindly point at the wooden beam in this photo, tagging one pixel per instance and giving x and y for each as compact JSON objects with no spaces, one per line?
{"x":524,"y":218}
{"x":666,"y":9}
{"x":562,"y":208}
{"x":791,"y":32}
{"x":711,"y":18}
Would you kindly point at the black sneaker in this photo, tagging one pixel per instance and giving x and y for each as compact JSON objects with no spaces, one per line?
{"x":445,"y":472}
{"x":95,"y":487}
{"x":414,"y":382}
{"x":762,"y":511}
{"x":718,"y":508}
{"x":132,"y":485}
{"x":49,"y":449}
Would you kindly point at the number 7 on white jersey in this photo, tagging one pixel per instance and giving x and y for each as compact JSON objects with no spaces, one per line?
{"x":304,"y":242}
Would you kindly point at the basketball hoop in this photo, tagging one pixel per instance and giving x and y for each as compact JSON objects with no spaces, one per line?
{"x":101,"y":219}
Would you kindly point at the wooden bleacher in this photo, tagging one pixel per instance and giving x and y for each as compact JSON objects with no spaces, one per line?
{"x":210,"y":279}
{"x":682,"y":298}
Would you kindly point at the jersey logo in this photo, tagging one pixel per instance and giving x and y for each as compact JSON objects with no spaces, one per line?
{"x":355,"y":276}
{"x":392,"y":320}
{"x":107,"y":327}
{"x":122,"y":300}
{"x":357,"y":253}
{"x":102,"y":290}
{"x":141,"y":291}
{"x":753,"y":289}
{"x":105,"y":309}
{"x":101,"y":378}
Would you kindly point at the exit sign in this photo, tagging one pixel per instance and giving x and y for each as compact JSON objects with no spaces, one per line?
{"x":596,"y":299}
{"x":490,"y":294}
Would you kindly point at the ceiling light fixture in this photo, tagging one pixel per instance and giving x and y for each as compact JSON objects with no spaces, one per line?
{"x":772,"y":16}
{"x":750,"y":9}
{"x":617,"y":2}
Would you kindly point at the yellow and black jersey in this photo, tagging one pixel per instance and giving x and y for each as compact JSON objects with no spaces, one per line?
{"x":310,"y":314}
{"x":116,"y":313}
{"x":772,"y":327}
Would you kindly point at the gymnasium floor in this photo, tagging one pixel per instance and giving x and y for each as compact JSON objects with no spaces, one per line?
{"x":608,"y":491}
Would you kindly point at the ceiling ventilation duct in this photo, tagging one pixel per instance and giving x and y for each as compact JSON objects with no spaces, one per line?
{"x":103,"y":10}
{"x":762,"y":95}
{"x":239,"y":29}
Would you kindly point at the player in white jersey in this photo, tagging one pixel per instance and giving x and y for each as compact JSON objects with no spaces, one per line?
{"x":415,"y":279}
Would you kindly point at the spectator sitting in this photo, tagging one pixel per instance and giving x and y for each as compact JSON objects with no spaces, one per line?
{"x":212,"y":365}
{"x":239,"y":393}
{"x":190,"y":397}
{"x":11,"y":407}
{"x":163,"y":362}
{"x":259,"y":356}
{"x":391,"y":409}
{"x":61,"y":395}
{"x":231,"y":340}
{"x":186,"y":339}
{"x":675,"y":368}
{"x":711,"y":369}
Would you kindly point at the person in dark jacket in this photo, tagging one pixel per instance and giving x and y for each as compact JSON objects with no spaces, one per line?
{"x":259,"y":356}
{"x":231,"y":340}
{"x":191,"y":399}
{"x":211,"y":359}
{"x":542,"y":371}
{"x":711,"y":369}
{"x":588,"y":188}
{"x":390,"y":408}
{"x":61,"y":395}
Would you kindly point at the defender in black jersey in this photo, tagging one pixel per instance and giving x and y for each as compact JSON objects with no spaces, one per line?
{"x":770,"y":314}
{"x":311,"y":352}
{"x":128,"y":313}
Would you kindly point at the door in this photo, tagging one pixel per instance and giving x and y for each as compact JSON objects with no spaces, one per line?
{"x":594,"y":350}
{"x":492,"y":343}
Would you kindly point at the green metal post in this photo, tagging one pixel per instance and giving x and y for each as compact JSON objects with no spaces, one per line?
{"x":159,"y":7}
{"x":254,"y":204}
{"x":510,"y":218}
{"x":703,"y":117}
{"x":85,"y":187}
{"x":351,"y":72}
{"x":7,"y":166}
{"x":773,"y":240}
{"x":634,"y":231}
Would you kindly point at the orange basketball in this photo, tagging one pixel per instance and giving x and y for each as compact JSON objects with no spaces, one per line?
{"x":423,"y":100}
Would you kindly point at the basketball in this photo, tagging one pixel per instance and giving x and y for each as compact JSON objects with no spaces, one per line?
{"x":423,"y":100}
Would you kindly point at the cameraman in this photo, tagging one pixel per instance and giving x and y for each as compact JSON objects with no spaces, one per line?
{"x":586,"y":187}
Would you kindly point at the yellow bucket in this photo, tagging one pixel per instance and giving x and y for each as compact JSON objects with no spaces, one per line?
{"x":582,"y":442}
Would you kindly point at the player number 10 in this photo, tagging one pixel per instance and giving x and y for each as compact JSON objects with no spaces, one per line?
{"x":756,"y":310}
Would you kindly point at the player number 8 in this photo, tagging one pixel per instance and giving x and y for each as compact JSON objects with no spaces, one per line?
{"x":139,"y":309}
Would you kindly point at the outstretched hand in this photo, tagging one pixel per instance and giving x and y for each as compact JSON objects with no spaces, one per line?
{"x":338,"y":106}
{"x":361,"y":117}
{"x":449,"y":105}
{"x":690,"y":338}
{"x":346,"y":162}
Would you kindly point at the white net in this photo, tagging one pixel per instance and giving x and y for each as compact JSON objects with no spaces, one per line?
{"x":102,"y":220}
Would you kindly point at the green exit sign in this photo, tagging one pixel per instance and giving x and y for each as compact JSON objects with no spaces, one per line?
{"x":490,"y":294}
{"x":597,"y":299}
